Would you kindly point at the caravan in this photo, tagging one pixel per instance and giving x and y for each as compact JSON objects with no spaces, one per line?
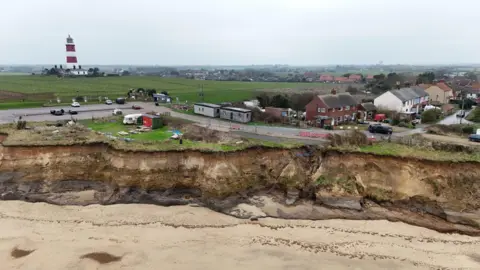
{"x":131,"y":119}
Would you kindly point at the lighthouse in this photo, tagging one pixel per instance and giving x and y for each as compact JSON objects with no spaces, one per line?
{"x":72,"y":62}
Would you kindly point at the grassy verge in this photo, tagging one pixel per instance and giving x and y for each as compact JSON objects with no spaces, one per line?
{"x":394,"y":149}
{"x":20,"y":105}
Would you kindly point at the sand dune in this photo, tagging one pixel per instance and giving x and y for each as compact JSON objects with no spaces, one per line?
{"x":42,"y":236}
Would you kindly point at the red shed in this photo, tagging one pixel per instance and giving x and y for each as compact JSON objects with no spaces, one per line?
{"x":152,"y":121}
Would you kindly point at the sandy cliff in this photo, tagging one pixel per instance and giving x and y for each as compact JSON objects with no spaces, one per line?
{"x":258,"y":182}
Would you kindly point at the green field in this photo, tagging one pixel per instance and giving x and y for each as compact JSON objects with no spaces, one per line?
{"x":112,"y":87}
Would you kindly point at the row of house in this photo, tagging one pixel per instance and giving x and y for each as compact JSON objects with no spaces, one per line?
{"x":334,"y":108}
{"x":234,"y":114}
{"x":352,"y":78}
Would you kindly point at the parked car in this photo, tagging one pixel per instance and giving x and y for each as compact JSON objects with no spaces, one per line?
{"x":378,"y":128}
{"x":108,"y":102}
{"x":57,"y":112}
{"x":120,"y":100}
{"x":75,"y":104}
{"x":72,"y":112}
{"x":136,"y":107}
{"x":117,"y":112}
{"x":474,"y":138}
{"x":461,"y":114}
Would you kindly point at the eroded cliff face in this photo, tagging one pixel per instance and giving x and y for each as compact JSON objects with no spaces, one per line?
{"x":299,"y":183}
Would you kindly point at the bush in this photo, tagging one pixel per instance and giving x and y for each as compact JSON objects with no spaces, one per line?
{"x":354,"y":137}
{"x":430,"y":116}
{"x":79,"y":99}
{"x":459,"y":129}
{"x":474,"y":116}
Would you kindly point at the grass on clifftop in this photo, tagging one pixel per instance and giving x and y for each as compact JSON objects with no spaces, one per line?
{"x":90,"y":132}
{"x":395,"y":149}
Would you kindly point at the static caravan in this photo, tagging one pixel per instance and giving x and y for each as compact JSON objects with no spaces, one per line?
{"x":236,"y":114}
{"x":207,"y":109}
{"x":161,"y":98}
{"x":133,"y":119}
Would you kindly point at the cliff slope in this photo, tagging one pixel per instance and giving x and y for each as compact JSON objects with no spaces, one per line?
{"x":299,"y":183}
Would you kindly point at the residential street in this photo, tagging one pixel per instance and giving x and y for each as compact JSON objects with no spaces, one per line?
{"x":102,"y":110}
{"x":453,"y":119}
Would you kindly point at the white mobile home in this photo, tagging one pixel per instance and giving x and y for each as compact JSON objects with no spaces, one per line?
{"x":131,"y":119}
{"x":207,"y":109}
{"x":236,"y":114}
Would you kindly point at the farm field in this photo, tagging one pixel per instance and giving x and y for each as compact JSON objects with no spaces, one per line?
{"x":186,"y":90}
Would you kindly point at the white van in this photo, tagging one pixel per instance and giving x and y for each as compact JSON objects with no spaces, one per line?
{"x":131,"y":119}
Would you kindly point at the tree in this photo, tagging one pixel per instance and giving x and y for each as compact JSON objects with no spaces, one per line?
{"x":472,"y":76}
{"x":164,"y":93}
{"x":299,"y":101}
{"x":430,"y":116}
{"x":379,"y":77}
{"x":426,"y":78}
{"x":346,"y":75}
{"x":352,"y":90}
{"x":264,"y":100}
{"x":280,"y":101}
{"x":150,"y":92}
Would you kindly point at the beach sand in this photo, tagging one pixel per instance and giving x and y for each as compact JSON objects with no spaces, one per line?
{"x":42,"y":236}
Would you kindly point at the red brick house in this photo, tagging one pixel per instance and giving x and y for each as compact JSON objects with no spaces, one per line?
{"x":355,"y":77}
{"x":326,"y":78}
{"x":342,"y":80}
{"x":331,"y":109}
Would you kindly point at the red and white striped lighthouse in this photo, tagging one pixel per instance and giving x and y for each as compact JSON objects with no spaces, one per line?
{"x":71,"y":55}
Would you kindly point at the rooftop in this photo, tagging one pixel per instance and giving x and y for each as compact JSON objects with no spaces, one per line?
{"x":338,"y":100}
{"x":405,"y":94}
{"x":211,"y":105}
{"x":236,"y":109}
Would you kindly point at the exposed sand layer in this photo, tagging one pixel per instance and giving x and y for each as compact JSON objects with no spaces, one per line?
{"x":43,"y":236}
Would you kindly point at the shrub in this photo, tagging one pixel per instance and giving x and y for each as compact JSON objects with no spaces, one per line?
{"x":474,"y":116}
{"x":354,"y":137}
{"x":430,"y":116}
{"x":459,"y":129}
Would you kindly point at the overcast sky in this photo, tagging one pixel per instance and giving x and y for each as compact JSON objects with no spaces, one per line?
{"x":241,"y":32}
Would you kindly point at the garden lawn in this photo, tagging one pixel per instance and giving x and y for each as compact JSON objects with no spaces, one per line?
{"x":114,"y":126}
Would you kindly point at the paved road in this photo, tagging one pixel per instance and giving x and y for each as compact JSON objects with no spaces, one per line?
{"x":453,"y":119}
{"x":102,"y":110}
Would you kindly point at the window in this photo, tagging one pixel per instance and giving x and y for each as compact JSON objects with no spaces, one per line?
{"x":321,"y":110}
{"x":347,"y":108}
{"x":339,"y":119}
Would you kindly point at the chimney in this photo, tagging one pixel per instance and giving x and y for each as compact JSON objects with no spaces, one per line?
{"x":333,"y":91}
{"x":398,"y":84}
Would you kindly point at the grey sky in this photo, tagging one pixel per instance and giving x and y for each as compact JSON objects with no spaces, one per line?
{"x":241,"y":32}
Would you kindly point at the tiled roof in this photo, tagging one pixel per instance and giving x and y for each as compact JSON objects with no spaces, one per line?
{"x":405,"y":94}
{"x":369,"y":106}
{"x":444,"y":87}
{"x":326,"y":78}
{"x":341,"y":79}
{"x":355,"y":77}
{"x":337,"y":101}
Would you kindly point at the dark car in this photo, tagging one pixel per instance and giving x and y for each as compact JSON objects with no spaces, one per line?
{"x":136,"y":107}
{"x":72,"y":112}
{"x":57,"y":112}
{"x":120,"y":101}
{"x":474,"y":138}
{"x":378,"y":128}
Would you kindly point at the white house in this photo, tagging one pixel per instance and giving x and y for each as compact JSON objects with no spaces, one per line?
{"x":403,"y":100}
{"x":207,"y":109}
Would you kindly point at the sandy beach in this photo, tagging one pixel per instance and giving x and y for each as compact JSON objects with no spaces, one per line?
{"x":42,"y":236}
